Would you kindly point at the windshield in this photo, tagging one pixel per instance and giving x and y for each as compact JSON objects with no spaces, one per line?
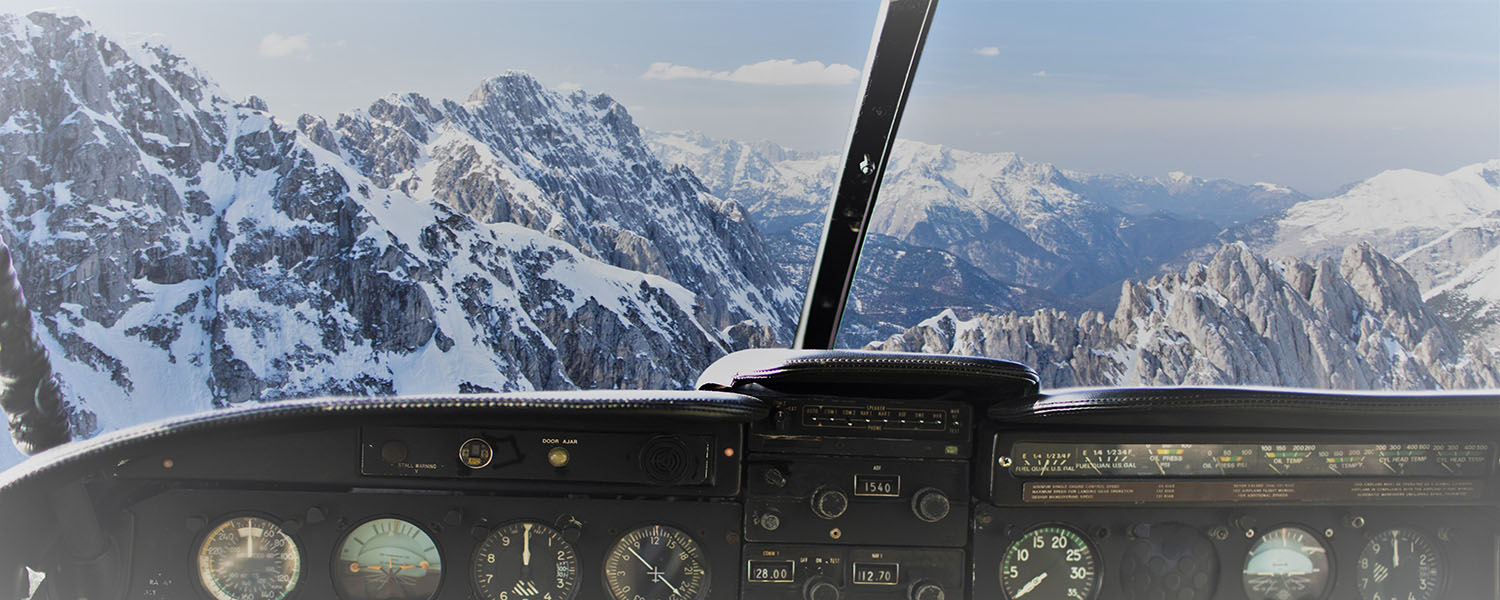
{"x":1169,"y":193}
{"x":212,"y":204}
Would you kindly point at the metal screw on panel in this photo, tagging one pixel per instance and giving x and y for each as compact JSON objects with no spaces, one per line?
{"x":775,"y":478}
{"x":835,"y":533}
{"x":1250,"y":533}
{"x":1354,"y":521}
{"x":770,"y":522}
{"x":866,"y":166}
{"x":1005,"y":461}
{"x":1328,"y":533}
{"x":1219,"y":533}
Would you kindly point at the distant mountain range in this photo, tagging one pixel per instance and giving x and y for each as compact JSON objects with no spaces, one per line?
{"x":184,"y":251}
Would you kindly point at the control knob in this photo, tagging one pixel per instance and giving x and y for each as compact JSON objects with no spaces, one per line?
{"x":820,"y":588}
{"x":829,"y":503}
{"x":930,"y":504}
{"x":926,"y":590}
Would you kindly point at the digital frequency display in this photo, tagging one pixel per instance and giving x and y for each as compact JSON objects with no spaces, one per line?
{"x":1064,"y":460}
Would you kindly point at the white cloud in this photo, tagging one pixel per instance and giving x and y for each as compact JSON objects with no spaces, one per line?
{"x":276,"y":45}
{"x":786,"y":71}
{"x":568,"y":87}
{"x":1041,"y":73}
{"x":987,"y":51}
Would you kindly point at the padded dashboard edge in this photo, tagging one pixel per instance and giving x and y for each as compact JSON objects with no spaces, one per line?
{"x":1248,"y":407}
{"x":680,"y":406}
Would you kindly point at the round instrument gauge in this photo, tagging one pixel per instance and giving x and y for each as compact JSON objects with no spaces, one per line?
{"x":1289,"y":563}
{"x":525,"y":560}
{"x":1400,"y":564}
{"x":1169,"y":560}
{"x":1047,"y":562}
{"x":656,"y":562}
{"x":387,"y":559}
{"x":248,"y":558}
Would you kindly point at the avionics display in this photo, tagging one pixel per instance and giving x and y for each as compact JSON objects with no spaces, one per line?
{"x":1278,"y":459}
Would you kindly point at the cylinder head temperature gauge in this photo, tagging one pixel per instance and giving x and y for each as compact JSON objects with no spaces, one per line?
{"x":248,"y":558}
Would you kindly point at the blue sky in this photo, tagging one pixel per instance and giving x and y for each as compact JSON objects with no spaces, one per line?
{"x":1310,"y":94}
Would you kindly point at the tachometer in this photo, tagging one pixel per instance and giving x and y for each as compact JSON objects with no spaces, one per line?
{"x":387,"y":559}
{"x":1289,"y":563}
{"x":248,"y":558}
{"x":525,"y":560}
{"x":656,"y":562}
{"x":1050,"y":562}
{"x":1400,"y":564}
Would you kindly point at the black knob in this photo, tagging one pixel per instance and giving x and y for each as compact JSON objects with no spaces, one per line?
{"x":829,"y":503}
{"x":930,"y":504}
{"x":775,"y":478}
{"x":770,"y":521}
{"x":927,"y":590}
{"x":819,"y":588}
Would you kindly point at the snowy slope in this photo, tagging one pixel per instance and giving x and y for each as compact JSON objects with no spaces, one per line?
{"x":574,"y":167}
{"x":183,"y":251}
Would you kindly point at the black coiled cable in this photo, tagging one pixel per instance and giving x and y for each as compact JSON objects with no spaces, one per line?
{"x":35,"y":411}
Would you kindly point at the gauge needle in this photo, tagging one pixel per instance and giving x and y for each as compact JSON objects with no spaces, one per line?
{"x":526,"y":547}
{"x":1396,"y":554}
{"x":669,"y":585}
{"x":250,"y":545}
{"x":643,"y":561}
{"x":1031,"y":585}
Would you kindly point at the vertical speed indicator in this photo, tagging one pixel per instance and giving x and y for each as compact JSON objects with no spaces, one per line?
{"x":1050,"y":562}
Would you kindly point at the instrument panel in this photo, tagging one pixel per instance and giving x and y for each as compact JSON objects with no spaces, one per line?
{"x":1248,"y":553}
{"x":366,"y":546}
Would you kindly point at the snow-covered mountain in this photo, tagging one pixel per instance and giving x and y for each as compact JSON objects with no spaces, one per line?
{"x":1219,"y":200}
{"x":184,"y":251}
{"x":1025,"y":223}
{"x":1354,"y":322}
{"x":576,"y":168}
{"x":1443,"y":229}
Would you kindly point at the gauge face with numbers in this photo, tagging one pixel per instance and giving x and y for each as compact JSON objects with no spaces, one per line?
{"x":1050,"y":562}
{"x":1400,"y":564}
{"x":387,"y":559}
{"x":656,"y":562}
{"x":248,"y":558}
{"x":525,"y":560}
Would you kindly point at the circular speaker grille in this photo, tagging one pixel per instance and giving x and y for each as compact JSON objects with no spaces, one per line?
{"x":666,"y":459}
{"x":1172,"y":561}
